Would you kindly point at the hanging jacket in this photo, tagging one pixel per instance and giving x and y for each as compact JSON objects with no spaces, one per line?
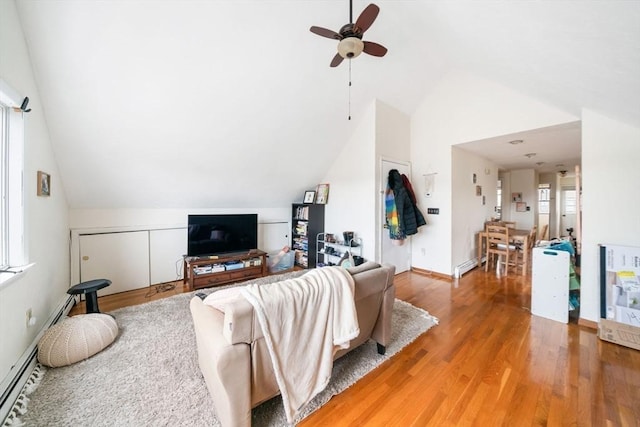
{"x":409,"y":216}
{"x":391,"y":213}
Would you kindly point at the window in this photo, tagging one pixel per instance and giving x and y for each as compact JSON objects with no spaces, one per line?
{"x":11,"y":171}
{"x":4,"y":249}
{"x":544,"y":198}
{"x":570,"y":201}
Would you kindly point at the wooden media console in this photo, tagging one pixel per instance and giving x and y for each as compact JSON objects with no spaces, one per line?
{"x":215,"y":270}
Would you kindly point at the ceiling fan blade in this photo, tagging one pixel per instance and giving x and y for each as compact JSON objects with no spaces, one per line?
{"x":374,"y":49}
{"x":325,"y":33}
{"x":366,"y":18}
{"x":337,"y":60}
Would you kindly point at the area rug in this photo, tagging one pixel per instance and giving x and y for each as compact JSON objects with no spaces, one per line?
{"x":150,"y":376}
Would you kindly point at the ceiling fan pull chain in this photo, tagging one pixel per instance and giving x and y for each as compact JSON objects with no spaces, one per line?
{"x":349,"y":89}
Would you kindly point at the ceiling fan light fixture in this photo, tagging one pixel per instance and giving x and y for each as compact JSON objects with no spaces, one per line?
{"x":350,"y":47}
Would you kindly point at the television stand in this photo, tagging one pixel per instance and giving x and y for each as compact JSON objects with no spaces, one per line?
{"x":215,"y":270}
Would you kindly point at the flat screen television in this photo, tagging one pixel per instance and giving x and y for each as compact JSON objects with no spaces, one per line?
{"x":219,"y":234}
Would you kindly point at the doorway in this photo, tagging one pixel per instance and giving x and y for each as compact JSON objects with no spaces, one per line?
{"x":390,"y":253}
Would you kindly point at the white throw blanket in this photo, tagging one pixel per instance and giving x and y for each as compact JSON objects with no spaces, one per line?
{"x":305,"y":321}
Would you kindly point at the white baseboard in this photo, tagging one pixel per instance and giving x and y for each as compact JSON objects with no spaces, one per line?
{"x":14,"y":382}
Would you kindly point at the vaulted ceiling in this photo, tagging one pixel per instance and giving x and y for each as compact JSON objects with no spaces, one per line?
{"x":159,"y":104}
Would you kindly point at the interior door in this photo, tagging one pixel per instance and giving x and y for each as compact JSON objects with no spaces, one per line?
{"x":568,"y":210}
{"x":390,"y":253}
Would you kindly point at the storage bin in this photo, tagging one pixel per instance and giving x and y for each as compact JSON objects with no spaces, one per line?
{"x":281,"y":261}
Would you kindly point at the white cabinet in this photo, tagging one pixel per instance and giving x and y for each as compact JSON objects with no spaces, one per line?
{"x":122,"y":258}
{"x":166,"y":250}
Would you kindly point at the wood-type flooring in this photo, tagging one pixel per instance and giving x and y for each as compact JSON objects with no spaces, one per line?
{"x":488,"y":363}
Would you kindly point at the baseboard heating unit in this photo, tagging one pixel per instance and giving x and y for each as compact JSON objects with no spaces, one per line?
{"x":16,"y":379}
{"x":465,"y":267}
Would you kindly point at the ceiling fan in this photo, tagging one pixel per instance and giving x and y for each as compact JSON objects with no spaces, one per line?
{"x":350,"y":35}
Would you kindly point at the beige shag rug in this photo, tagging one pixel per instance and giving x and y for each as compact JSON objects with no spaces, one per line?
{"x":149,"y":376}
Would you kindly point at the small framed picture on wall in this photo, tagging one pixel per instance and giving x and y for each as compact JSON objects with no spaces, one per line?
{"x":44,"y":184}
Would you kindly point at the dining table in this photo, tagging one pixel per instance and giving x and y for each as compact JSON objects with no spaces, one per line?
{"x":516,"y":236}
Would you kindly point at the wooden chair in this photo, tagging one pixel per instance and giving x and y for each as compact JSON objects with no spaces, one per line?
{"x":523,"y":251}
{"x":489,"y":223}
{"x":542,"y":235}
{"x":498,"y":245}
{"x":509,"y":224}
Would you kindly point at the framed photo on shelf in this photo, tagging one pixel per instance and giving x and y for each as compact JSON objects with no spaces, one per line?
{"x":309,"y":197}
{"x":44,"y":184}
{"x":322,"y":194}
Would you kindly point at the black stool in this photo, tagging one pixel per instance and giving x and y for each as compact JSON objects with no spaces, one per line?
{"x":90,"y":289}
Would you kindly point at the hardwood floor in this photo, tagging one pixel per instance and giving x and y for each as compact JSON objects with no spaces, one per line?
{"x":488,"y":363}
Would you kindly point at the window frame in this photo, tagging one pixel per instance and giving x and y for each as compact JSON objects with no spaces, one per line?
{"x":12,"y":203}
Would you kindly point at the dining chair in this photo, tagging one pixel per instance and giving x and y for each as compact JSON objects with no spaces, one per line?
{"x":523,"y":251}
{"x":543,"y":234}
{"x":488,"y":223}
{"x":509,"y":224}
{"x":498,"y":246}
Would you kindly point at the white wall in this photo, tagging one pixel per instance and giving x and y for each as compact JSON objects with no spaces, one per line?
{"x":610,"y":215}
{"x":522,"y":181}
{"x":120,"y":218}
{"x":354,"y":198}
{"x":468,"y":214}
{"x":393,"y":132}
{"x":351,"y":204}
{"x":463,"y":108}
{"x":393,"y":142}
{"x":505,"y":176}
{"x":43,"y":287}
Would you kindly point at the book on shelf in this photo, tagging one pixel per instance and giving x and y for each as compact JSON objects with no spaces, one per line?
{"x":301,"y":228}
{"x":302,"y":212}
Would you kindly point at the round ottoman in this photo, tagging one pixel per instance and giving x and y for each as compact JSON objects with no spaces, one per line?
{"x":76,"y":338}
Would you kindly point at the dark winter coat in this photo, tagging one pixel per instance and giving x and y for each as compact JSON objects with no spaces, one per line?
{"x":409,"y":215}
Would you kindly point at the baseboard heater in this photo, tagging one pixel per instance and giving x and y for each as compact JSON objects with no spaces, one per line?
{"x":465,"y":267}
{"x":19,"y":375}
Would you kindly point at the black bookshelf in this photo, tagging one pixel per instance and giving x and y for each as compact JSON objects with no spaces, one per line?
{"x":307,"y":220}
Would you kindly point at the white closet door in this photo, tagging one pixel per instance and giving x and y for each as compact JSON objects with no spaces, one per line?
{"x":122,"y":258}
{"x":168,"y":247}
{"x":273,"y":236}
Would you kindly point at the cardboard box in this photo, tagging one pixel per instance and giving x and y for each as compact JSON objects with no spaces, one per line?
{"x":619,"y":333}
